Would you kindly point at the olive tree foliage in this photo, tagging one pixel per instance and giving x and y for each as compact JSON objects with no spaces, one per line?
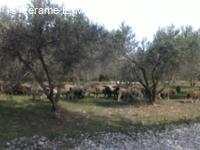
{"x":190,"y":67}
{"x":84,"y":43}
{"x":153,"y":63}
{"x":113,"y":48}
{"x":104,"y":53}
{"x":12,"y":72}
{"x":125,"y":44}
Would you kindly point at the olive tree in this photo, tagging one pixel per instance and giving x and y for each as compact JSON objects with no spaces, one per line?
{"x":48,"y":45}
{"x":153,"y":63}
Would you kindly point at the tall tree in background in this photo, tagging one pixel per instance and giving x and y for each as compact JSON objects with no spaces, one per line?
{"x":190,"y":43}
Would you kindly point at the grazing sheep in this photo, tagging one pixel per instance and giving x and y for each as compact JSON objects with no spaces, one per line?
{"x":94,"y":89}
{"x":193,"y":95}
{"x":76,"y":92}
{"x":116,"y":92}
{"x":37,"y":92}
{"x":90,"y":89}
{"x":167,"y":92}
{"x":26,"y":88}
{"x":107,"y":91}
{"x":110,"y":90}
{"x":65,"y":90}
{"x":137,"y":92}
{"x":125,"y":94}
{"x":18,"y":89}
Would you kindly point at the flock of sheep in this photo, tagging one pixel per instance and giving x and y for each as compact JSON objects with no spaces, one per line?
{"x":69,"y":91}
{"x":113,"y":90}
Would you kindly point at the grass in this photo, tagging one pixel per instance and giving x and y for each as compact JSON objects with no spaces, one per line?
{"x":20,"y":116}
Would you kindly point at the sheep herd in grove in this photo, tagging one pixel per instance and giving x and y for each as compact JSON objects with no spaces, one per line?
{"x":112,"y":90}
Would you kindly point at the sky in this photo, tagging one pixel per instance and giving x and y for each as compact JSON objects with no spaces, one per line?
{"x":144,"y":16}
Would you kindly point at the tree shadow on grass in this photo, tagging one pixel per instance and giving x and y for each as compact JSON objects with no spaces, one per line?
{"x":32,"y":118}
{"x":108,"y":102}
{"x":116,"y":104}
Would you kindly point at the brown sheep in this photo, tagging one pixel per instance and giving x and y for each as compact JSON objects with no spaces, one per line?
{"x":18,"y":89}
{"x":65,"y":90}
{"x":94,"y":88}
{"x":26,"y":88}
{"x":137,"y":92}
{"x":37,"y":92}
{"x":126,"y":94}
{"x":8,"y":89}
{"x":167,"y":92}
{"x":90,"y":89}
{"x":193,"y":95}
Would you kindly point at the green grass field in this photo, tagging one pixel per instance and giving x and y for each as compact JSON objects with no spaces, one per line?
{"x":20,"y":116}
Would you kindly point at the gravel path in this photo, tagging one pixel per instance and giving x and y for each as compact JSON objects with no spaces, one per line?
{"x":173,"y":137}
{"x":182,"y":137}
